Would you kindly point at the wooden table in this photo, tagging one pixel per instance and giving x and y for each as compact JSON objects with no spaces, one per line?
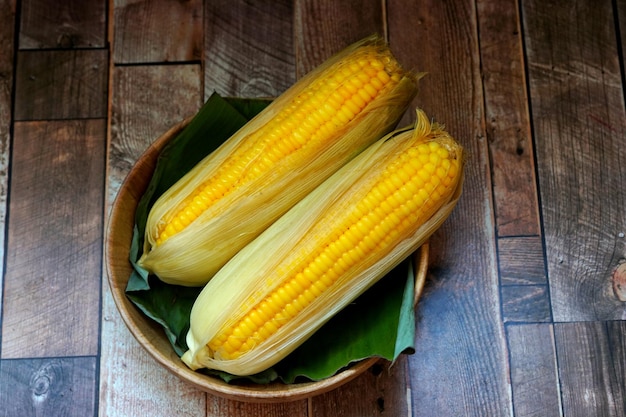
{"x":523,"y":311}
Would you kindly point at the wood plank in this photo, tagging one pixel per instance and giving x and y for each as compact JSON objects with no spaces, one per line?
{"x":7,"y":27}
{"x":67,"y":24}
{"x":157,"y":31}
{"x":621,"y":25}
{"x":615,"y":331}
{"x":381,"y":391}
{"x":521,"y":261}
{"x":460,"y":339}
{"x":134,"y":384}
{"x":54,"y":244}
{"x":579,"y":124}
{"x":317,"y":37}
{"x":591,"y":368}
{"x":61,"y":84}
{"x":245,"y":409}
{"x":48,"y":387}
{"x":533,"y":370}
{"x":507,"y":120}
{"x":526,"y":304}
{"x":248,"y":48}
{"x":146,"y":101}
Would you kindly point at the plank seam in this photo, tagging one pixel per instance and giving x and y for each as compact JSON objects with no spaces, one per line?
{"x":533,"y":141}
{"x":58,"y":49}
{"x":620,"y":50}
{"x":385,"y":20}
{"x":44,"y":358}
{"x":71,"y":119}
{"x":511,"y":237}
{"x":16,"y":31}
{"x":156,"y":64}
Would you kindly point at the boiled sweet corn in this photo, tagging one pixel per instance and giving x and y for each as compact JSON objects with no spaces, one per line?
{"x":303,"y":137}
{"x":325,"y":251}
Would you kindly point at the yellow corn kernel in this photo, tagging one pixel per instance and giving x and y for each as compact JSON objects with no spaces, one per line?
{"x":303,"y":137}
{"x":281,"y":137}
{"x":335,"y":243}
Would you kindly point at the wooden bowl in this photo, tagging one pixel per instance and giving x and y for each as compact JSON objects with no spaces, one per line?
{"x":152,"y":337}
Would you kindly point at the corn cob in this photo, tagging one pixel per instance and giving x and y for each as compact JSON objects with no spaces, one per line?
{"x":324,"y":252}
{"x":277,"y":158}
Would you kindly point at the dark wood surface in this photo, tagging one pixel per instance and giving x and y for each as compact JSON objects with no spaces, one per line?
{"x":523,"y":311}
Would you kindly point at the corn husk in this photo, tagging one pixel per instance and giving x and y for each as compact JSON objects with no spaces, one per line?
{"x":242,"y":282}
{"x":192,"y":256}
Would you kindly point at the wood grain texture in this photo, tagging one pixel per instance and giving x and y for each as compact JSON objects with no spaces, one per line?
{"x":534,"y":379}
{"x":51,"y":387}
{"x":146,"y":101}
{"x":525,"y":304}
{"x":591,"y":368}
{"x":7,"y":25}
{"x":61,"y":84}
{"x":579,"y":125}
{"x":249,"y":48}
{"x":218,"y":407}
{"x":506,"y":118}
{"x":157,"y":31}
{"x":616,"y":338}
{"x":324,"y":28}
{"x":66,"y":24}
{"x":621,"y":25}
{"x":132,"y":383}
{"x":54,"y":240}
{"x":460,"y":340}
{"x":521,"y":261}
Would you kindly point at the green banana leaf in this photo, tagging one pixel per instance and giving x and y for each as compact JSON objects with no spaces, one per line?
{"x":380,"y":323}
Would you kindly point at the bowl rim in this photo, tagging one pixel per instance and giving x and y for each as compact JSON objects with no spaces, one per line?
{"x":272,"y":392}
